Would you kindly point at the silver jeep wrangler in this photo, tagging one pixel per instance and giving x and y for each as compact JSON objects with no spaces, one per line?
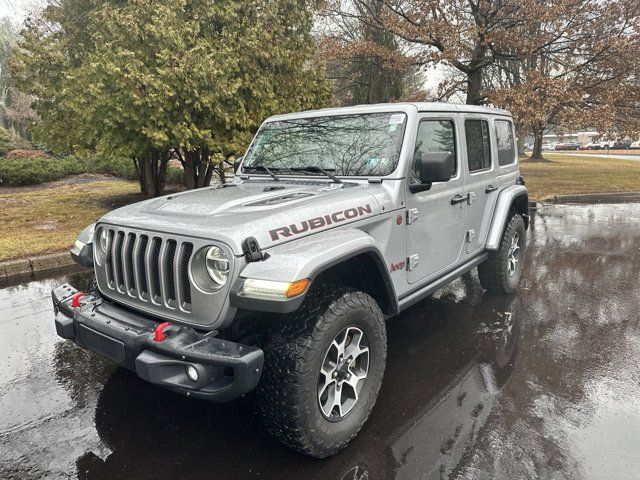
{"x":282,"y":280}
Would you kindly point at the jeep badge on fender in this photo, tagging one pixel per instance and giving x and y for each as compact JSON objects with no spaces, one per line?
{"x":282,"y":282}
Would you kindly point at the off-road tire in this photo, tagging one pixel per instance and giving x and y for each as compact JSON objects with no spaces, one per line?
{"x":494,"y":272}
{"x":295,"y":349}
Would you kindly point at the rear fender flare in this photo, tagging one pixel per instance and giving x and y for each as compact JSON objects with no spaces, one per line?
{"x":515,"y":196}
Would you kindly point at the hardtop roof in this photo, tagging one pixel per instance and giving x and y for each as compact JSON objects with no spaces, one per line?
{"x":391,"y":107}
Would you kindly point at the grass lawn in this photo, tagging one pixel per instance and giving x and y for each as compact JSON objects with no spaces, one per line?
{"x":46,"y":219}
{"x":568,"y":175}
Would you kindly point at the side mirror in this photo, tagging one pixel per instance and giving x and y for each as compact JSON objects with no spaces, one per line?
{"x":236,"y":164}
{"x":433,"y":167}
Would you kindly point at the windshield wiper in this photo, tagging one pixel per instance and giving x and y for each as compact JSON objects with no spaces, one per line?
{"x":265,"y":169}
{"x":315,"y":168}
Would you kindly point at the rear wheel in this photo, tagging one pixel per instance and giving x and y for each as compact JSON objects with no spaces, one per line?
{"x":323,"y":369}
{"x":501,"y":272}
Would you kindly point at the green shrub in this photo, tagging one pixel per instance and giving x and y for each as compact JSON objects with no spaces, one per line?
{"x":36,"y":170}
{"x":175,"y":176}
{"x":7,"y":142}
{"x":120,"y":167}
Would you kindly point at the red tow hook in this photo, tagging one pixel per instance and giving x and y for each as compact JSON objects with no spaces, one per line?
{"x":158,"y":333}
{"x":75,"y":299}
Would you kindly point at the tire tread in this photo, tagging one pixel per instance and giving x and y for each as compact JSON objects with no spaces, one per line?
{"x":288,"y":355}
{"x":492,"y":272}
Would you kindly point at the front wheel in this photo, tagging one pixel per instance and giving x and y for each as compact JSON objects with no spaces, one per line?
{"x":501,"y":272}
{"x":323,"y":369}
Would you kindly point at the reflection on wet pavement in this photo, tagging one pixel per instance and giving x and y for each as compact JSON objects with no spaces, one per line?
{"x":537,"y":385}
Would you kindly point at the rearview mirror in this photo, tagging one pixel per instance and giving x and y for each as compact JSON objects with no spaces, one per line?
{"x":433,"y":167}
{"x":236,"y":164}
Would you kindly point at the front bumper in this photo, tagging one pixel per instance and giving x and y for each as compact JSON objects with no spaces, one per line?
{"x":226,"y":370}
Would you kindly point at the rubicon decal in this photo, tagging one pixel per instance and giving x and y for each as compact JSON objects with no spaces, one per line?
{"x":319,"y":222}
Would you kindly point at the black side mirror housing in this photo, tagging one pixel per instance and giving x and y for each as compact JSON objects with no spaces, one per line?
{"x":236,"y":164}
{"x":433,"y":167}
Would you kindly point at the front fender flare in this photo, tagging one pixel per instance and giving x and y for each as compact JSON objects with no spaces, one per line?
{"x":306,"y":258}
{"x":82,"y":250}
{"x":501,"y":213}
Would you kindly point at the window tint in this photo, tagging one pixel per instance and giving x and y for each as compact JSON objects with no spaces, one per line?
{"x":506,"y":142}
{"x":435,"y":136}
{"x":478,"y":146}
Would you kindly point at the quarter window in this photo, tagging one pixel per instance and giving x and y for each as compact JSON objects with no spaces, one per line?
{"x":506,"y":143}
{"x":478,"y":145}
{"x":435,"y":136}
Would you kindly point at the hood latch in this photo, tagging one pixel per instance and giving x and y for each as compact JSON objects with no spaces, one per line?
{"x":251,"y":249}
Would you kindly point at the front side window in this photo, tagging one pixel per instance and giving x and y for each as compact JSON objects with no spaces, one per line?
{"x":478,"y":145}
{"x":435,"y":136}
{"x":358,"y":145}
{"x":506,"y":142}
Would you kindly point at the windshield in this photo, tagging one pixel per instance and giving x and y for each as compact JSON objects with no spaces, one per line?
{"x":358,"y":145}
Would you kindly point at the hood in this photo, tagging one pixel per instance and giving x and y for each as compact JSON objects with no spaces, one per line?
{"x":271,"y":212}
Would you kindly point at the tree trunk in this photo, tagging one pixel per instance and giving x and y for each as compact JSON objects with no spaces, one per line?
{"x":538,"y":130}
{"x":521,"y":133}
{"x":152,"y":171}
{"x":190,"y":172}
{"x":474,"y":87}
{"x":198,"y":168}
{"x":162,"y":160}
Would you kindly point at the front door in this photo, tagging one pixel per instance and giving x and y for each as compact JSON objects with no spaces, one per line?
{"x":436,"y":218}
{"x":481,"y":182}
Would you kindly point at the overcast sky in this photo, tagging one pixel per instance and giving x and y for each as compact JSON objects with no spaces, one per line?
{"x":17,"y":9}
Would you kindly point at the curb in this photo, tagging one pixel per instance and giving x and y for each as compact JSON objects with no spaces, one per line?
{"x":596,"y":198}
{"x":27,"y":269}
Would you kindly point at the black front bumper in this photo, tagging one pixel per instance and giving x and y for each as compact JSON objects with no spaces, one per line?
{"x":226,"y":370}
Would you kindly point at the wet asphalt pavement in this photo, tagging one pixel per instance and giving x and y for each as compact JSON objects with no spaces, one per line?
{"x":542,"y":384}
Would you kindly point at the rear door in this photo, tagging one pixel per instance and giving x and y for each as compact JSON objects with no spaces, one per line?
{"x":482,"y":187}
{"x":436,"y":218}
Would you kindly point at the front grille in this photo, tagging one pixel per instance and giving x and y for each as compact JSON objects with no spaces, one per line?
{"x":149,"y":269}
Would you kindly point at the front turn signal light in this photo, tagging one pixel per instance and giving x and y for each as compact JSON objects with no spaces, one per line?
{"x":297,"y":288}
{"x":272,"y":290}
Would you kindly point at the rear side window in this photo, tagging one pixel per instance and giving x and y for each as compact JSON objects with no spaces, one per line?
{"x":506,"y":142}
{"x":437,"y":137}
{"x":478,"y":145}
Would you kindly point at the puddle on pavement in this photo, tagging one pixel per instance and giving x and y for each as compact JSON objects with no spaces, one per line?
{"x":541,"y":384}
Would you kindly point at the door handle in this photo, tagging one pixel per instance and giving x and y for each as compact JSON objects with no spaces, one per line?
{"x":490,"y":188}
{"x":459,"y":199}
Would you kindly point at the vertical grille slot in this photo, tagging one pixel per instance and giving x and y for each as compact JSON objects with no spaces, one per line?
{"x":156,"y":245}
{"x":169,"y":268}
{"x":108,"y":265}
{"x":117,"y":260}
{"x":143,"y":288}
{"x":129,"y":277}
{"x":187,"y":251}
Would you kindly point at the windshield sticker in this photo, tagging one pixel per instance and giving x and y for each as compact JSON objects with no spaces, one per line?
{"x":373,"y":162}
{"x":396,"y":118}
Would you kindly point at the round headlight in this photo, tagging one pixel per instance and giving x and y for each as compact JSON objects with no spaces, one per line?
{"x":101,"y":251}
{"x":217,"y":265}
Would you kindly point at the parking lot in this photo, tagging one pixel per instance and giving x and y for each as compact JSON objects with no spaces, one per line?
{"x":542,"y":384}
